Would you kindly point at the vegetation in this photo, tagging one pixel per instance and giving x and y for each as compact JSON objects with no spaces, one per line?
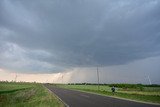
{"x":137,"y":87}
{"x":137,"y":92}
{"x":26,"y":95}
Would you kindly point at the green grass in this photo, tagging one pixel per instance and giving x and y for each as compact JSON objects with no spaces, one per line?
{"x":149,"y":94}
{"x":26,"y":95}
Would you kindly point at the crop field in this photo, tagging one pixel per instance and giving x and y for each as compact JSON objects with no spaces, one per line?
{"x":26,"y":95}
{"x":142,"y":93}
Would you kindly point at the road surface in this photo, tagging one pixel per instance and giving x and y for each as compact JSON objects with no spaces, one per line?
{"x":81,"y":99}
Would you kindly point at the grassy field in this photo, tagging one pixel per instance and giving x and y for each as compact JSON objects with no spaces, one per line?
{"x":26,"y":95}
{"x":148,"y":94}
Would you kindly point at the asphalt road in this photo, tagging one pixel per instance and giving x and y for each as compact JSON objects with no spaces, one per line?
{"x":81,"y":99}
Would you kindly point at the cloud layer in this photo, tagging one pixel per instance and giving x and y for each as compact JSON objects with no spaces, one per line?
{"x":52,"y":36}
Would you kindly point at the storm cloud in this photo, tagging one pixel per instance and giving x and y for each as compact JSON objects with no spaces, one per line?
{"x":38,"y":36}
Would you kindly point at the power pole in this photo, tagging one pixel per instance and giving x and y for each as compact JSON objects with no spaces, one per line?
{"x":98,"y":77}
{"x":15,"y":78}
{"x":47,"y":81}
{"x":62,"y":78}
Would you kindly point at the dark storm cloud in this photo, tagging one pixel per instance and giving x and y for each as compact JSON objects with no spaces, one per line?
{"x":82,"y":32}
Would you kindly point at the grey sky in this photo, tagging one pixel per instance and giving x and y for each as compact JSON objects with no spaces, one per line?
{"x":48,"y":36}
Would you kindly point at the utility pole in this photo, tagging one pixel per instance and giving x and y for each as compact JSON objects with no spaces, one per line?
{"x":15,"y":78}
{"x":98,"y":77}
{"x":47,"y":81}
{"x":62,"y":78}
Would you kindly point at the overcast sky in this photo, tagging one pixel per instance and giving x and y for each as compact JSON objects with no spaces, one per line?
{"x":122,"y":37}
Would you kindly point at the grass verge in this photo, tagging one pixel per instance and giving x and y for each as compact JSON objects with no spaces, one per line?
{"x":26,"y":95}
